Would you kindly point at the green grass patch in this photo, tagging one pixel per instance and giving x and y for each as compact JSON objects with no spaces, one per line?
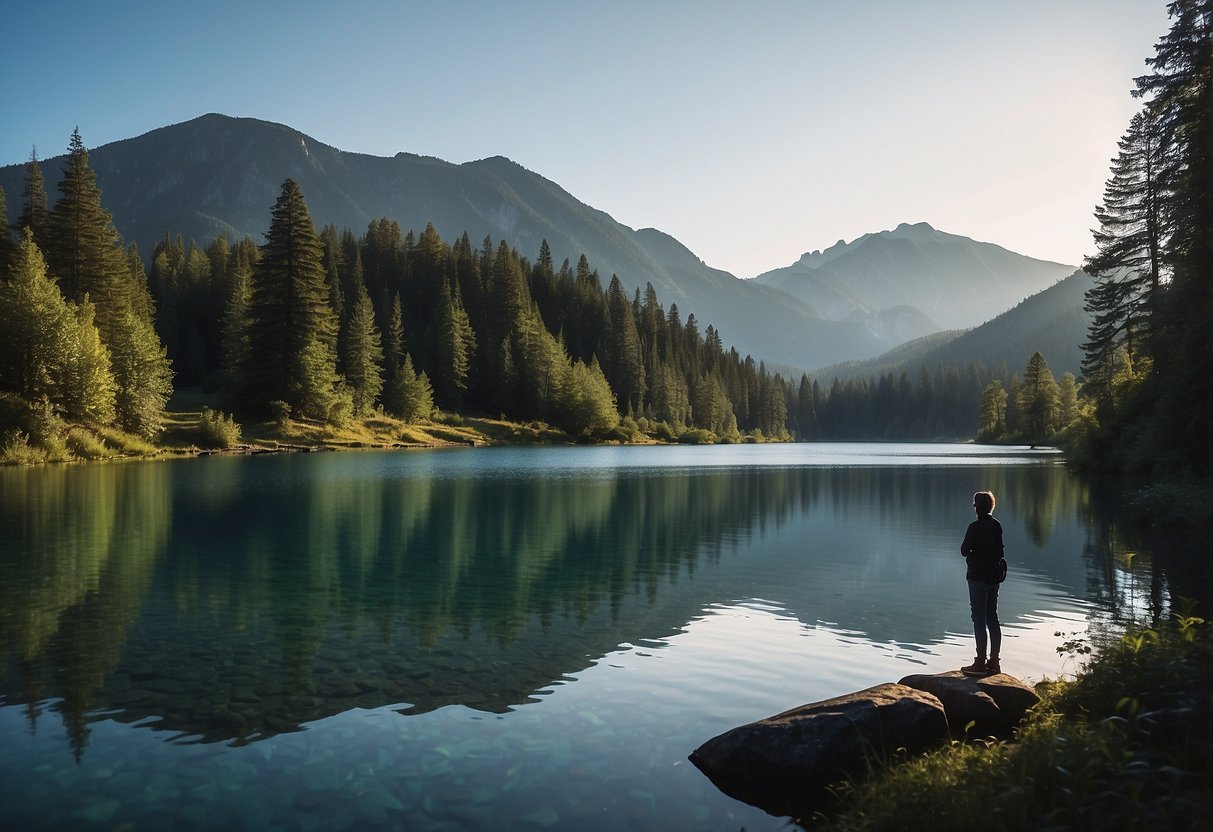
{"x":126,"y":444}
{"x":83,"y":444}
{"x":15,"y":449}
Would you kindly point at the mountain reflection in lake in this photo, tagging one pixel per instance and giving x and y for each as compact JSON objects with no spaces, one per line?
{"x":489,"y":638}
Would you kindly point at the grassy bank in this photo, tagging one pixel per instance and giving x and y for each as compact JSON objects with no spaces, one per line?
{"x":1126,"y":745}
{"x":194,"y":425}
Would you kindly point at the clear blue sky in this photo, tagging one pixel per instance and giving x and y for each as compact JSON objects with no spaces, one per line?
{"x":750,"y":134}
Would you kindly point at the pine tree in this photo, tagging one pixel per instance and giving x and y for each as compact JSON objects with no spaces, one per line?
{"x":34,"y":215}
{"x":587,"y":405}
{"x":314,"y":389}
{"x":410,"y":394}
{"x":1067,"y":400}
{"x":1129,"y":268}
{"x":234,"y":330}
{"x":33,"y":322}
{"x":290,"y":315}
{"x":8,"y":250}
{"x":1038,"y":400}
{"x":393,"y":352}
{"x":87,"y":388}
{"x":142,"y":302}
{"x":363,"y":358}
{"x":456,"y":345}
{"x":83,"y":248}
{"x":1179,"y":94}
{"x":143,"y":378}
{"x":624,"y":363}
{"x":993,"y":420}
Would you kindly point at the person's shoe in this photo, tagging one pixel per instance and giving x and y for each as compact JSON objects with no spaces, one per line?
{"x":992,"y":666}
{"x":977,"y":668}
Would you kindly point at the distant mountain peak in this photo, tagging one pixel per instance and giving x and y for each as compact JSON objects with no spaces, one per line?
{"x":954,"y":280}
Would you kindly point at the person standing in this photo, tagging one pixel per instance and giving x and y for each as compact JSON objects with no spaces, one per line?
{"x":982,"y":549}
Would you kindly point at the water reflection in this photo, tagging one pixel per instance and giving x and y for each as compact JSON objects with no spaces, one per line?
{"x":237,"y":599}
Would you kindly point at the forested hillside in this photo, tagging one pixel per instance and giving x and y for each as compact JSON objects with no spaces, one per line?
{"x":333,"y":327}
{"x":216,"y":176}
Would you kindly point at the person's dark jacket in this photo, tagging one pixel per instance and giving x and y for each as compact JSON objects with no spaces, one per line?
{"x":982,"y":548}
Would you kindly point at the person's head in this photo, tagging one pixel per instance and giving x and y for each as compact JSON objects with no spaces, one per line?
{"x":983,"y":502}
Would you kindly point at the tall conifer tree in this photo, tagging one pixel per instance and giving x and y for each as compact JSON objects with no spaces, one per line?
{"x":8,"y":250}
{"x":34,"y":212}
{"x":363,"y":358}
{"x":83,"y":248}
{"x":456,"y":346}
{"x":289,"y":313}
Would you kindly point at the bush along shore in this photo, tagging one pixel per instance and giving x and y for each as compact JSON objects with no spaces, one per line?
{"x":1124,"y":745}
{"x":191,"y":427}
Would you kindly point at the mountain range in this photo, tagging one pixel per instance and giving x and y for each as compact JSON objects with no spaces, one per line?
{"x":1052,"y":322}
{"x":219,"y":175}
{"x":956,"y":282}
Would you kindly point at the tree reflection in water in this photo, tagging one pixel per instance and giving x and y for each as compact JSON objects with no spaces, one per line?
{"x":237,"y":598}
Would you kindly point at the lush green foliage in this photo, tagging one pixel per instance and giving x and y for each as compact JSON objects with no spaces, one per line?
{"x":217,"y":430}
{"x":1122,"y":746}
{"x":1149,"y":357}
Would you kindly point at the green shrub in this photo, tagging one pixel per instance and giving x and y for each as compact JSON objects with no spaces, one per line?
{"x":15,"y":449}
{"x":341,"y":409}
{"x":664,"y":432}
{"x":84,"y":445}
{"x":697,"y":436}
{"x":217,"y":430}
{"x":280,"y":411}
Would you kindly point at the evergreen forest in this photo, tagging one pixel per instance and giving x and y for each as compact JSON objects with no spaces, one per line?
{"x":330,"y":327}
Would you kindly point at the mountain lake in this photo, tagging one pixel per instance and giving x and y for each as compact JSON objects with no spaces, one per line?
{"x":495,"y":638}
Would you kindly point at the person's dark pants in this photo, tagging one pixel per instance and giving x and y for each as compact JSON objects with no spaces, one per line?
{"x":983,"y":601}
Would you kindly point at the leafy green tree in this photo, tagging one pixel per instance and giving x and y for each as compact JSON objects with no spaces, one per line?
{"x":143,"y":377}
{"x":363,"y":358}
{"x":1038,"y":399}
{"x":33,"y":322}
{"x":315,"y":389}
{"x":587,"y":404}
{"x":34,"y":215}
{"x":409,"y":394}
{"x":993,"y":421}
{"x":87,"y":388}
{"x":83,"y":249}
{"x":1067,"y":400}
{"x":290,"y":315}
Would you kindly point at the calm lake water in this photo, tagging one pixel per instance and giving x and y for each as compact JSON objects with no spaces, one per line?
{"x":492,"y":638}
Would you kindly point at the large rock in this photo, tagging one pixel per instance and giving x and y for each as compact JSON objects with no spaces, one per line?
{"x":994,"y":704}
{"x":781,"y":762}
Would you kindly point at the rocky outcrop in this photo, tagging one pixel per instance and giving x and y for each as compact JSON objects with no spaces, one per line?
{"x":784,"y":763}
{"x":776,"y":763}
{"x":990,"y":704}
